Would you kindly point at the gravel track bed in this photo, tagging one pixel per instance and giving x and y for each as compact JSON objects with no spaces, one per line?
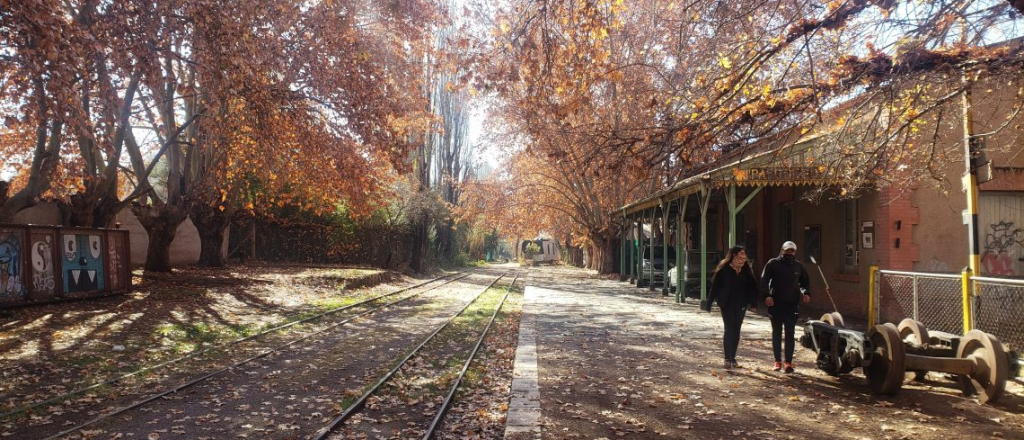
{"x":408,"y":403}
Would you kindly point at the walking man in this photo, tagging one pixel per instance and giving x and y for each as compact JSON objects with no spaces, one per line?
{"x":784,"y":285}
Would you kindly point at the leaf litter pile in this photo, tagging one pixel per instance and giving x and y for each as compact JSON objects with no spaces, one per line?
{"x":286,"y":395}
{"x":50,"y":350}
{"x":621,"y":363}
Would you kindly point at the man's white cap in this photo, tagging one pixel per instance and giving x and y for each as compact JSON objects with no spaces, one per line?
{"x":789,"y":245}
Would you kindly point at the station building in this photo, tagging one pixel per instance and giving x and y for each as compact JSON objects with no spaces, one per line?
{"x":787,"y":188}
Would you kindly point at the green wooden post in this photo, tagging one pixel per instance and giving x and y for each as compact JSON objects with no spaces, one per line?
{"x":681,"y":253}
{"x":645,"y":243}
{"x":654,"y":240}
{"x":704,"y":203}
{"x":632,"y":250}
{"x":622,"y":250}
{"x":637,"y":260}
{"x":643,"y":239}
{"x":664,"y":247}
{"x":730,"y":200}
{"x":631,"y":243}
{"x":654,"y":236}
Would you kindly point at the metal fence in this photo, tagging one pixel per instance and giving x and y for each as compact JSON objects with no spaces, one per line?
{"x":998,"y":308}
{"x":934,"y":299}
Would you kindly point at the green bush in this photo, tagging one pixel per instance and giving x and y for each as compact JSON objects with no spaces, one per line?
{"x":531,"y":250}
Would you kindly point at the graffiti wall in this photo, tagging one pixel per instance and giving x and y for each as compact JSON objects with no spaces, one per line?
{"x":1002,"y":226}
{"x":44,"y":272}
{"x":116,"y":253}
{"x":12,"y":287}
{"x":46,"y":263}
{"x":82,"y":263}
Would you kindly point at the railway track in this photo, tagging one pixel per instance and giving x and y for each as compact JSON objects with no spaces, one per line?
{"x":199,"y":353}
{"x":354,"y":312}
{"x":334,"y":428}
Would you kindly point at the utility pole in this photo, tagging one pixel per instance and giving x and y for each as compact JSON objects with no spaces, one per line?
{"x":977,"y":171}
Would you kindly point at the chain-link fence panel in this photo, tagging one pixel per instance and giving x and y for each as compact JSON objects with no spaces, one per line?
{"x":999,"y":309}
{"x":934,"y":299}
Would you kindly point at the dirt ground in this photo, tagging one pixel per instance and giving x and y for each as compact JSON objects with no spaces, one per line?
{"x":49,"y":350}
{"x":289,"y":394}
{"x":619,"y":362}
{"x":614,"y":362}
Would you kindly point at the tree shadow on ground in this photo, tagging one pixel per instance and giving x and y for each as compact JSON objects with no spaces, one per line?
{"x":62,"y":345}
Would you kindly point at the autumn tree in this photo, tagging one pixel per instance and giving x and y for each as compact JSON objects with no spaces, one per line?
{"x":677,"y":85}
{"x":198,"y":108}
{"x":38,"y":78}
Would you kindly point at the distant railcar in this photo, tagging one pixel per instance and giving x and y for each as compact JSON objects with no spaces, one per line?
{"x":549,"y":250}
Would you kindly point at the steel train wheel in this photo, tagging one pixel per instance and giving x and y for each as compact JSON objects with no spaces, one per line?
{"x":914,"y":332}
{"x":834,"y":319}
{"x":990,"y":374}
{"x":886,"y":370}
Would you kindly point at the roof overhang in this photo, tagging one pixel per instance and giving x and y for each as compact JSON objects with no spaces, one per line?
{"x":789,"y":165}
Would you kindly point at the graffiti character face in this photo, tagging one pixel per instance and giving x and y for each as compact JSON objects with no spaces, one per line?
{"x":9,"y":255}
{"x":94,"y":246}
{"x":70,"y":247}
{"x":11,"y":286}
{"x":83,"y":263}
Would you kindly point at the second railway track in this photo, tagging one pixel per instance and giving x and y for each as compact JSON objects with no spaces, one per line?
{"x":412,"y":399}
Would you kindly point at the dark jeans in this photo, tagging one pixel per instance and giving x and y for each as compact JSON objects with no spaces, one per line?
{"x":783,"y":316}
{"x":732,"y":317}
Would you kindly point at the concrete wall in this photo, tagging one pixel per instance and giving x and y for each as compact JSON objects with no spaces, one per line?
{"x":41,"y":214}
{"x":184,"y":248}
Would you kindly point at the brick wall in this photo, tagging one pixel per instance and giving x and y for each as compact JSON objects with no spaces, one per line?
{"x":896,"y":219}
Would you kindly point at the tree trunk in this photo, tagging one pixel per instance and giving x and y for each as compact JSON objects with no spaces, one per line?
{"x":607,"y":261}
{"x":211,"y":223}
{"x":91,"y":212}
{"x":603,"y":260}
{"x":161,"y":223}
{"x":419,"y":239}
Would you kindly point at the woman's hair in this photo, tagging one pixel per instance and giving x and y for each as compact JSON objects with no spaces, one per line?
{"x":728,"y":258}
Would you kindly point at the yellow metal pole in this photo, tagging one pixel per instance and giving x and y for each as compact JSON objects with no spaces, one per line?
{"x":966,"y":284}
{"x":872,"y":272}
{"x":974,"y":157}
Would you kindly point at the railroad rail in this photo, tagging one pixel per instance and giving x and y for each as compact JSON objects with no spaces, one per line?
{"x":169,"y":362}
{"x":358,"y":405}
{"x":205,"y":377}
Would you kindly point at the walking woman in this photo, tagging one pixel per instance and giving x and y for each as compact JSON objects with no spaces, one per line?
{"x":734,"y":286}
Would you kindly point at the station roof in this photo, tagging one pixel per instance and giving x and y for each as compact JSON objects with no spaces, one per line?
{"x":782,"y":161}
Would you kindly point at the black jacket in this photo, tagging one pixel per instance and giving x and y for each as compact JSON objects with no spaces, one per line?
{"x":733,"y":289}
{"x":783,"y":280}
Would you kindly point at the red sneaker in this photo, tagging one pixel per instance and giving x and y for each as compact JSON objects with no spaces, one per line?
{"x":789,"y":367}
{"x":777,"y":367}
